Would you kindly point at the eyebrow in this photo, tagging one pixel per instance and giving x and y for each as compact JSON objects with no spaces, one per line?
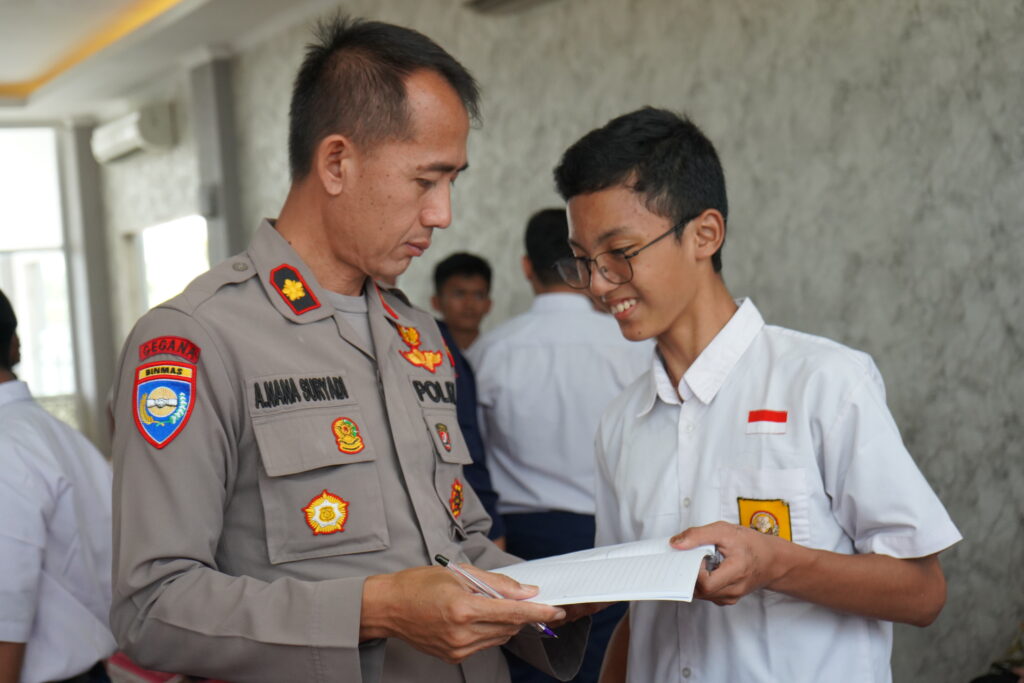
{"x":442,"y":167}
{"x":603,"y":237}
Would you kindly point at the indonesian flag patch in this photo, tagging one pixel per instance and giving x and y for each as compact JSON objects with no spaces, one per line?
{"x":767,"y":421}
{"x":326,"y":513}
{"x":164,"y":395}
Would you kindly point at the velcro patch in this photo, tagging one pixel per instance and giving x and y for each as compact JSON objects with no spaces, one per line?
{"x":176,"y":346}
{"x":164,"y":396}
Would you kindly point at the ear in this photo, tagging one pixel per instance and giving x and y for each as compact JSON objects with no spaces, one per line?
{"x":527,"y":268}
{"x":435,"y":303}
{"x":708,"y":234}
{"x":335,"y":156}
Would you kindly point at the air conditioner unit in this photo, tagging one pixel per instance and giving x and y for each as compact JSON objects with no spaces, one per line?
{"x":150,"y":128}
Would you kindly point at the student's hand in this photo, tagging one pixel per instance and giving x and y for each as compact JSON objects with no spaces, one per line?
{"x":437,"y":613}
{"x":749,"y":560}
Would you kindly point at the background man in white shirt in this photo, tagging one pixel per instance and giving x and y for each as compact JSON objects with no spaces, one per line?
{"x":543,"y":380}
{"x":54,"y":538}
{"x":774,"y":445}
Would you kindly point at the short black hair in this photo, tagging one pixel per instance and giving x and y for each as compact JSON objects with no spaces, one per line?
{"x":547,"y":240}
{"x":461,"y":263}
{"x":8,"y":325}
{"x":655,"y":152}
{"x":352,"y":82}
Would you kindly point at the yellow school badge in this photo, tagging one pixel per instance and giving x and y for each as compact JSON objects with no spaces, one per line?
{"x":767,"y":516}
{"x":346,"y":433}
{"x":327,"y":513}
{"x":455,"y":499}
{"x":418,"y":357}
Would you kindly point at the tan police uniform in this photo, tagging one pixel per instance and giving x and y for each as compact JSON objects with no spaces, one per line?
{"x":267,"y":460}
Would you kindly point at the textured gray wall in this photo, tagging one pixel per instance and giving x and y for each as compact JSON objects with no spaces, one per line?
{"x":873,"y":152}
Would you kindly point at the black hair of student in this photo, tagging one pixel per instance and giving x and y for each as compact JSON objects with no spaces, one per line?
{"x":658,"y":154}
{"x":8,"y":325}
{"x":352,"y":82}
{"x":460,"y":263}
{"x":547,"y":240}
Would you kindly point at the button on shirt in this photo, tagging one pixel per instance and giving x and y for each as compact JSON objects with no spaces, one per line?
{"x":787,"y":433}
{"x":54,"y":541}
{"x":543,"y":380}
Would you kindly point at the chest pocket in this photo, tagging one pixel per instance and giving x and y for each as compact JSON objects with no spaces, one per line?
{"x":773,"y":501}
{"x":319,"y":484}
{"x":451,"y":454}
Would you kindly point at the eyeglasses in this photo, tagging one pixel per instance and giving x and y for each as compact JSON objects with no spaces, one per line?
{"x":614,"y":265}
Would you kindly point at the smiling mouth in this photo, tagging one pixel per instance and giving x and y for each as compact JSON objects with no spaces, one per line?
{"x":620,"y":308}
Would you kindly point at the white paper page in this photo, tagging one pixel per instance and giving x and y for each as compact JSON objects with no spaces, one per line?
{"x":644,"y":570}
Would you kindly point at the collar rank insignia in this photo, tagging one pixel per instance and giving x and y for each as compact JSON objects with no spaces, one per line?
{"x":326,"y":513}
{"x":293,"y":289}
{"x":421,"y":359}
{"x":455,"y":499}
{"x":346,"y":433}
{"x":164,"y":395}
{"x":770,"y":517}
{"x":442,"y":433}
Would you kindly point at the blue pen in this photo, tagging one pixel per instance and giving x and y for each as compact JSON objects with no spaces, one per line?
{"x":484,"y":589}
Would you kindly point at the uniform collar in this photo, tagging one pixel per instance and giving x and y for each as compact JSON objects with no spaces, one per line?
{"x":709,"y":371}
{"x":290,"y":285}
{"x":560,"y":302}
{"x":12,"y":391}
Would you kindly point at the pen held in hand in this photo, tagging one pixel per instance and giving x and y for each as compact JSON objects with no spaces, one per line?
{"x":484,"y":589}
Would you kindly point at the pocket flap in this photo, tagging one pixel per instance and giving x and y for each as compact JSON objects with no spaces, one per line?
{"x":448,"y":441}
{"x":342,"y":440}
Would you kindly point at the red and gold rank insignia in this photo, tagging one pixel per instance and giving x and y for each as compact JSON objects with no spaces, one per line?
{"x":455,"y":499}
{"x":444,"y":435}
{"x":346,"y":433}
{"x":327,"y":513}
{"x":770,"y":517}
{"x":418,"y":357}
{"x":293,"y":289}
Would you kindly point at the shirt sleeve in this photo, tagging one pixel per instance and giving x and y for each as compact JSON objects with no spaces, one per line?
{"x":25,"y":504}
{"x":879,"y":495}
{"x":173,"y":608}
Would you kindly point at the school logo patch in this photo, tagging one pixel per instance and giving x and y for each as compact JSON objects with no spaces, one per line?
{"x":770,"y":517}
{"x":293,"y":289}
{"x":176,"y":346}
{"x":455,"y":499}
{"x":346,"y":433}
{"x":442,"y":433}
{"x":418,"y":357}
{"x":326,"y":513}
{"x":164,"y":396}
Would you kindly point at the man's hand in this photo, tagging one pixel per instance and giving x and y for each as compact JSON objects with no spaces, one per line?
{"x":750,"y":560}
{"x":437,"y":613}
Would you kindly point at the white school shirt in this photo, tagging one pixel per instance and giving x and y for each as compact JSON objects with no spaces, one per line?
{"x":773,"y":422}
{"x":55,"y":541}
{"x":543,"y":379}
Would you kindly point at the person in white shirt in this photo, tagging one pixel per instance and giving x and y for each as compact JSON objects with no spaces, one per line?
{"x":543,"y":379}
{"x":55,"y":544}
{"x":774,"y":445}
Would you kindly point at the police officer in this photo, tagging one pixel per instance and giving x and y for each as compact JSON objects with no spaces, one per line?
{"x":287,"y":453}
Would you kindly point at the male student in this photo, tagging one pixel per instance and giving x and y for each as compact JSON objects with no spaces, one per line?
{"x":776,"y":446}
{"x":462,"y":295}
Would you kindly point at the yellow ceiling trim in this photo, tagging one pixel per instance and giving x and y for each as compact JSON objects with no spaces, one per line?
{"x":130,"y":19}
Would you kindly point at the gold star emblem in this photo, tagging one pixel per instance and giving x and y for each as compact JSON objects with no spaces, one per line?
{"x":293,"y":289}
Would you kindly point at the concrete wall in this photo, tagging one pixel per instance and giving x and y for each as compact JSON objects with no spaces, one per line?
{"x":873,"y":152}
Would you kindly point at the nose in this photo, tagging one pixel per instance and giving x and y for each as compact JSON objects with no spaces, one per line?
{"x":437,"y":212}
{"x":599,"y":285}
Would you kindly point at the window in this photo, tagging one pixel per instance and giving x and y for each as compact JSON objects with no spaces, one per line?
{"x":33,"y":272}
{"x":173,"y":254}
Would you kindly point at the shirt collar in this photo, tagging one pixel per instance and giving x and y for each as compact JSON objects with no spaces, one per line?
{"x":709,"y":371}
{"x":289,"y":282}
{"x":560,"y":302}
{"x":12,"y":391}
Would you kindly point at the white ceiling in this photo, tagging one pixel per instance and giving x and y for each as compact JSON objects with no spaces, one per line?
{"x":35,"y":35}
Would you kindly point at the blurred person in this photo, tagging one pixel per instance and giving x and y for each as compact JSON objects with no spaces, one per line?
{"x":55,"y":549}
{"x":543,"y":380}
{"x":462,"y":295}
{"x":287,"y":455}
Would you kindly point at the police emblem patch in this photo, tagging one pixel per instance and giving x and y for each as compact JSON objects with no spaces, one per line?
{"x":164,"y":395}
{"x":442,"y":433}
{"x":455,"y":499}
{"x":418,"y":357}
{"x":769,"y":517}
{"x":346,"y":433}
{"x":293,"y":289}
{"x":326,"y":513}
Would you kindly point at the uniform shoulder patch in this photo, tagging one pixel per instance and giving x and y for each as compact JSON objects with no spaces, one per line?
{"x":164,"y":397}
{"x":176,"y":346}
{"x":293,"y":289}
